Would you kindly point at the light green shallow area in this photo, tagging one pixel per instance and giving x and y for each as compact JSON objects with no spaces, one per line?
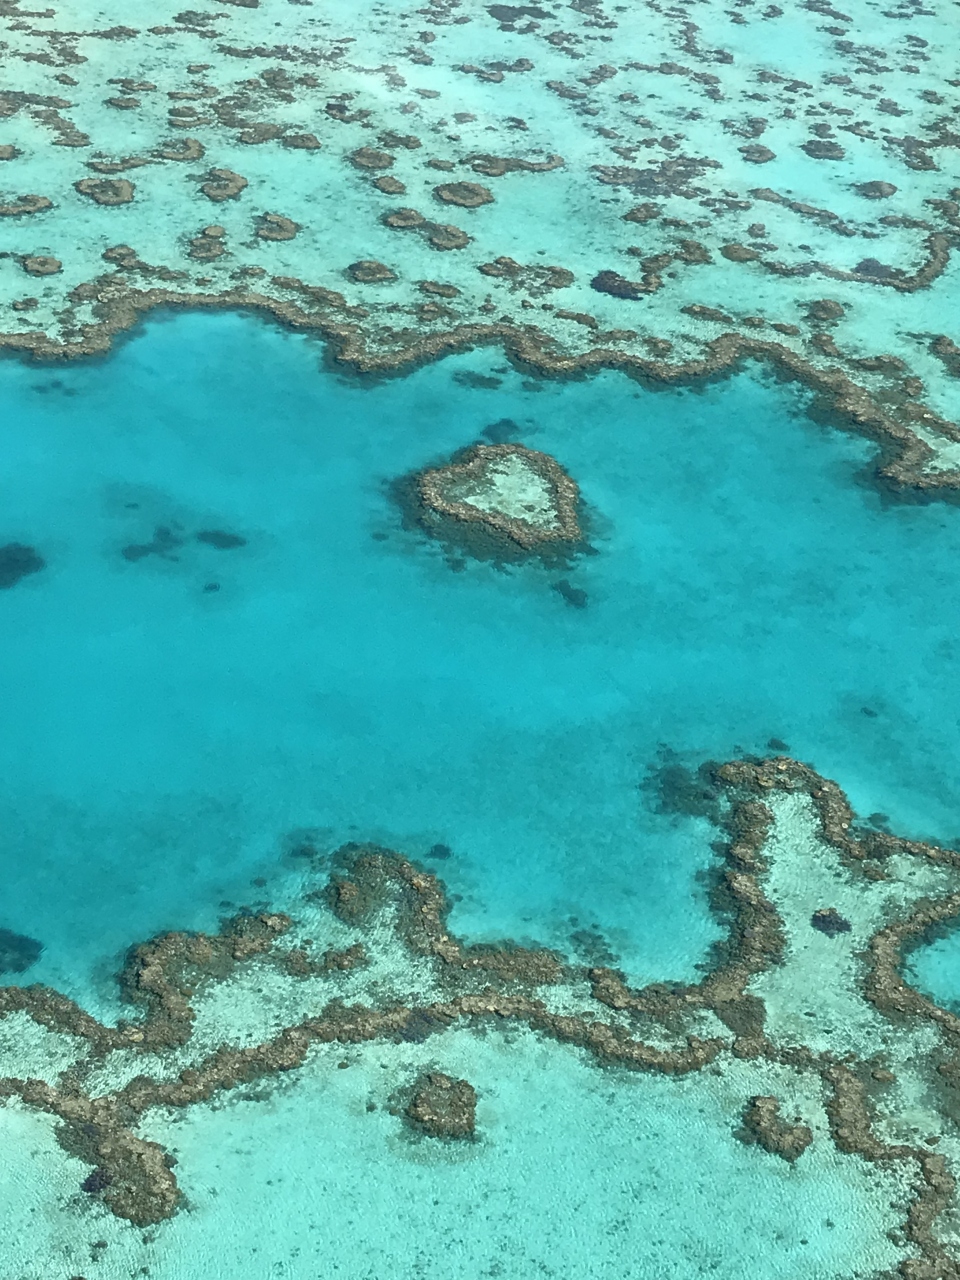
{"x":574,"y":1174}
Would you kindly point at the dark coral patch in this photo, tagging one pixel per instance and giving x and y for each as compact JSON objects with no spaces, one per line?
{"x":616,"y":285}
{"x":829,"y":921}
{"x":17,"y":951}
{"x":16,"y":562}
{"x":97,"y":1181}
{"x":221,"y":539}
{"x":165,"y":542}
{"x":576,"y":597}
{"x":442,"y":1107}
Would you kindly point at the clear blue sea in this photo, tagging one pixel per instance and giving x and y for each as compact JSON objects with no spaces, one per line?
{"x":166,"y":744}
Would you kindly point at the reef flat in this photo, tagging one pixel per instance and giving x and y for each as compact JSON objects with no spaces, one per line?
{"x":783,"y":1000}
{"x":668,"y":189}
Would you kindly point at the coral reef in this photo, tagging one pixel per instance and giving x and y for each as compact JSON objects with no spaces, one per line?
{"x":381,"y":894}
{"x":515,"y":493}
{"x":762,"y":1124}
{"x":441,"y":1107}
{"x":661,"y":150}
{"x":108,"y":191}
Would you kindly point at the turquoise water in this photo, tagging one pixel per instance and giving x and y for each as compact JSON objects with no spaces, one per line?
{"x":934,"y":968}
{"x":578,"y":1174}
{"x":166,"y":746}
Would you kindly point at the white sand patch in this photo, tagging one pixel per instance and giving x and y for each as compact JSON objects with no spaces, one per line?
{"x":511,"y":487}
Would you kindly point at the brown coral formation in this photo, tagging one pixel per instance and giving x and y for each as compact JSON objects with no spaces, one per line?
{"x":182,"y":149}
{"x":389,"y":185}
{"x":24,"y":205}
{"x":443,"y":235}
{"x":496,"y":166}
{"x":209,"y":244}
{"x":618,"y":286}
{"x":301,"y":141}
{"x":442,"y":1107}
{"x":404,"y":219}
{"x":222,"y":184}
{"x":41,"y":265}
{"x":534,"y":279}
{"x":876,"y":190}
{"x":371,"y":158}
{"x":369,"y":271}
{"x":763,"y":1124}
{"x":467,"y":195}
{"x":275,"y":226}
{"x":517,"y":493}
{"x":108,"y":191}
{"x":438,"y":235}
{"x":757,"y":153}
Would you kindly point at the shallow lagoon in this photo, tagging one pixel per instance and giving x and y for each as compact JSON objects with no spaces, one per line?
{"x":167,"y":747}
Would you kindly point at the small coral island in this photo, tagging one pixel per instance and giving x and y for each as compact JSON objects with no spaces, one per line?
{"x":503,"y":499}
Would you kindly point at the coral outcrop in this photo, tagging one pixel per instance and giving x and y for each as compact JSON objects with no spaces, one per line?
{"x":510,"y":491}
{"x":442,"y":1107}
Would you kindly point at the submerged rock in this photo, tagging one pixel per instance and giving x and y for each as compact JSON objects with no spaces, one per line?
{"x":468,"y":195}
{"x":875,"y":190}
{"x":616,"y":285}
{"x":389,"y":185}
{"x":739,"y":253}
{"x":825,"y":311}
{"x":221,"y":539}
{"x":107,"y":191}
{"x":642,"y":213}
{"x":576,"y":597}
{"x":442,"y":1107}
{"x":17,"y":951}
{"x":762,"y":1125}
{"x":16,"y":562}
{"x":757,"y":153}
{"x":222,"y":184}
{"x":25,"y":205}
{"x":165,"y":543}
{"x":442,"y":235}
{"x":818,"y":149}
{"x":510,"y":490}
{"x":301,"y":141}
{"x":371,"y":158}
{"x":181,"y":149}
{"x":209,"y":244}
{"x":829,"y":921}
{"x":879,"y":270}
{"x":369,"y":271}
{"x":276,"y":226}
{"x":41,"y":264}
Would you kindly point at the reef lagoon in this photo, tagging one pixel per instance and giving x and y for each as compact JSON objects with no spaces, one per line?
{"x":479,"y":669}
